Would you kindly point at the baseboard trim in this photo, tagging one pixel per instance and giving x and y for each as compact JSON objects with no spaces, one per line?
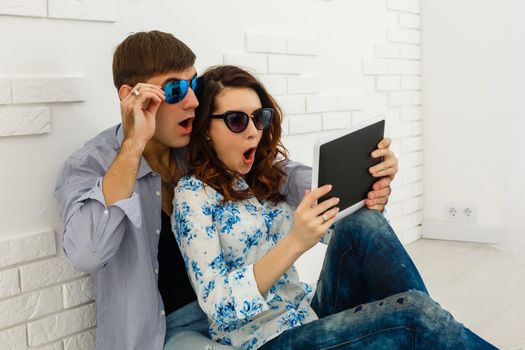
{"x":462,"y":232}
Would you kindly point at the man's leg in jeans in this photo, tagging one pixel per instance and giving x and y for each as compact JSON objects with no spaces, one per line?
{"x":365,"y":261}
{"x":405,"y":321}
{"x":187,"y":329}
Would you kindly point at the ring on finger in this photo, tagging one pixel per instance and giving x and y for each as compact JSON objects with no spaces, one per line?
{"x":136,"y":92}
{"x":325,"y":218}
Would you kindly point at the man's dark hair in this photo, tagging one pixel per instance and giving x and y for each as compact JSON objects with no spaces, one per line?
{"x":145,"y":54}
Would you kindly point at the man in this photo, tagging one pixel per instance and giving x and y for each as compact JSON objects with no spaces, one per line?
{"x":115,"y":198}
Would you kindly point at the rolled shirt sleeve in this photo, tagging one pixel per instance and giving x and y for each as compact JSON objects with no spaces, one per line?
{"x":92,"y":231}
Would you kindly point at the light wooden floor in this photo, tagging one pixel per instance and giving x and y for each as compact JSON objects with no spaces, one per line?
{"x":483,"y":288}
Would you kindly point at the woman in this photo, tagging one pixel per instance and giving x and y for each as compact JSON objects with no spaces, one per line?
{"x":239,"y":240}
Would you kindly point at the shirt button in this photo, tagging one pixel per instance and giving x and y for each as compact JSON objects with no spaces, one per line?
{"x":157,"y":231}
{"x":157,"y":193}
{"x":106,"y":212}
{"x":163,"y":313}
{"x":157,"y":271}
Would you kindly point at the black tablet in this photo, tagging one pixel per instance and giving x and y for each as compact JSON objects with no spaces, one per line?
{"x":343,"y":161}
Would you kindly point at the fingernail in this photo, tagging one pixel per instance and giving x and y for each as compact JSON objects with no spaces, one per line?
{"x":338,"y":199}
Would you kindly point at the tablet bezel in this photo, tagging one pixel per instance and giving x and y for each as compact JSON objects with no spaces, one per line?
{"x":315,"y":168}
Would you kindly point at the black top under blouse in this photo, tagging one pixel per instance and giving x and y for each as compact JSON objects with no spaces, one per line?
{"x":174,"y":285}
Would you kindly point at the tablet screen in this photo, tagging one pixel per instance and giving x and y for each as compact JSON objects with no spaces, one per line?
{"x":344,"y":161}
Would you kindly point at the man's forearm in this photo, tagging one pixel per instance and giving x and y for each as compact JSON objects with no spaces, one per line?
{"x":119,"y":181}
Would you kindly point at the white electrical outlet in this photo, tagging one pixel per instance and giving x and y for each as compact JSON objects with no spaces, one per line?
{"x":461,"y":212}
{"x":452,"y":212}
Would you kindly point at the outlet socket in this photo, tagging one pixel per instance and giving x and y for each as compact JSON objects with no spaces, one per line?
{"x":461,"y":212}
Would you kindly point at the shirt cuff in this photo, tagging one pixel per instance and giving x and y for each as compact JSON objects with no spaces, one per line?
{"x":129,"y":206}
{"x":248,"y":300}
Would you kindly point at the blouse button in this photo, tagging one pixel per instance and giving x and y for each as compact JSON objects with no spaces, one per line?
{"x":157,"y":193}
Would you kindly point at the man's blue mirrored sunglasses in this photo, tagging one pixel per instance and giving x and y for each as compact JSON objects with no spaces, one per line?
{"x":175,"y":90}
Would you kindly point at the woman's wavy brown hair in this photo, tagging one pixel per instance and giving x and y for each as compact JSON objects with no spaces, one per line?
{"x":266,"y":174}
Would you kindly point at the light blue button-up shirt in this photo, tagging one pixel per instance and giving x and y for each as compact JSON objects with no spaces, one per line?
{"x":118,"y":244}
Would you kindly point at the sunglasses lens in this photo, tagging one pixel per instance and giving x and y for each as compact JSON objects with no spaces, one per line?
{"x":262,"y":118}
{"x":196,"y":84}
{"x":237,"y":121}
{"x":175,"y":91}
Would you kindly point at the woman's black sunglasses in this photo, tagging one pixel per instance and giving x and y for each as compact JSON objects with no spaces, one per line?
{"x":238,"y":121}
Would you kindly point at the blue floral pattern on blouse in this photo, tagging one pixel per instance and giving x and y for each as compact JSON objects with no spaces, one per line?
{"x":220,"y":243}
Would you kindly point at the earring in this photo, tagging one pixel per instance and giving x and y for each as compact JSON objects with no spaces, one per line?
{"x":208,"y":138}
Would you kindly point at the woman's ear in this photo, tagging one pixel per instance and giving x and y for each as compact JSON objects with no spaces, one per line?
{"x":124,"y":91}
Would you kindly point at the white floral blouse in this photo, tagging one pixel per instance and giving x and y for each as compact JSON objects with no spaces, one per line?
{"x":220,"y":243}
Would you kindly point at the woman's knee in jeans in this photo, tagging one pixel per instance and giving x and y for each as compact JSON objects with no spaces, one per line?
{"x":365,"y":226}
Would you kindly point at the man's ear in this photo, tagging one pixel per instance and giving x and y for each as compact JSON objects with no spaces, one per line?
{"x":124,"y":91}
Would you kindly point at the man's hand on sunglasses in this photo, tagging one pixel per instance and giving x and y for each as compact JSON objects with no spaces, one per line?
{"x":138,"y":109}
{"x":386,"y":171}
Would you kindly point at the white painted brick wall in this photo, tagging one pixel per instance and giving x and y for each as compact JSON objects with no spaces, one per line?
{"x":409,"y":20}
{"x":48,"y":302}
{"x":303,"y":46}
{"x":29,"y":306}
{"x":284,"y":64}
{"x":26,"y":248}
{"x":303,"y":85}
{"x":411,"y":83}
{"x":94,"y":10}
{"x":84,"y":341}
{"x":403,"y":35}
{"x":52,"y":89}
{"x":409,"y":160}
{"x":9,"y":283}
{"x":16,"y":121}
{"x":255,"y":63}
{"x":337,"y":120}
{"x":412,"y":175}
{"x":405,"y":67}
{"x":32,"y":8}
{"x":348,"y":102}
{"x":276,"y":84}
{"x":400,"y":99}
{"x":47,"y":272}
{"x":60,"y":325}
{"x":388,"y":50}
{"x":412,"y":144}
{"x":14,"y":338}
{"x":292,"y":104}
{"x":300,"y":124}
{"x":5,"y":91}
{"x":410,"y":113}
{"x":320,"y":103}
{"x":77,"y":292}
{"x":264,"y":43}
{"x":410,"y":51}
{"x":388,"y":83}
{"x":372,"y":67}
{"x":404,"y":5}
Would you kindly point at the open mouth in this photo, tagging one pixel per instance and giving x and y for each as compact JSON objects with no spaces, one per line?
{"x":249,"y":155}
{"x":186,"y":124}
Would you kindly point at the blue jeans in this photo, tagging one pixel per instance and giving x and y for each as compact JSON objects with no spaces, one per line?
{"x":371,"y":296}
{"x":187,"y":329}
